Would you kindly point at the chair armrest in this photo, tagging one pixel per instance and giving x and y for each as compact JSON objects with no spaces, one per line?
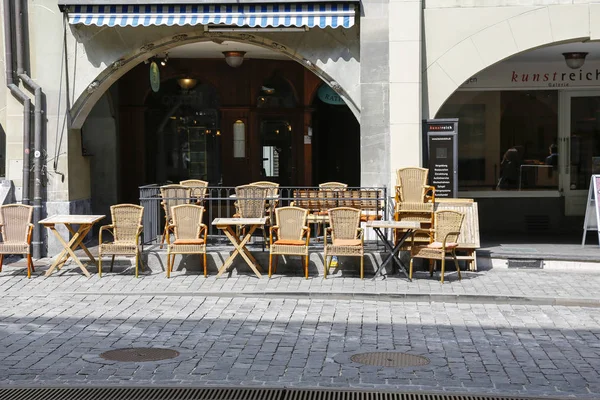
{"x":431,"y":189}
{"x":29,"y":233}
{"x":204,"y":228}
{"x":108,"y":228}
{"x":306,"y":231}
{"x":446,"y":238}
{"x":360,"y":233}
{"x":273,"y":229}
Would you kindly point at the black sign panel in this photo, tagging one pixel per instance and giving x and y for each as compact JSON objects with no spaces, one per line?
{"x":442,"y":156}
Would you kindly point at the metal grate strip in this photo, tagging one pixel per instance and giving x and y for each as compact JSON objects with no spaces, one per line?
{"x":229,"y":394}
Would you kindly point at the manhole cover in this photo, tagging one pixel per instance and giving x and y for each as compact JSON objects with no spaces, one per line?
{"x":390,"y":359}
{"x":139,"y":354}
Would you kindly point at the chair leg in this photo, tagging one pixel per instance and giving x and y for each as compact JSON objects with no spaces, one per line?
{"x":276,"y":263}
{"x":165,"y":233}
{"x":431,"y":267}
{"x":205,"y":275}
{"x":456,"y":264}
{"x":112,"y":262}
{"x":29,"y":266}
{"x":99,"y":265}
{"x":137,"y":258}
{"x":270,"y":264}
{"x":306,"y":266}
{"x":362,"y":267}
{"x":1,"y":261}
{"x":443,"y":267}
{"x":169,"y":260}
{"x":410,"y":268}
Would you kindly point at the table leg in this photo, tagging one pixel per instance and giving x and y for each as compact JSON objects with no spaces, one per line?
{"x":81,"y":245}
{"x":75,"y":240}
{"x":394,"y":250}
{"x":240,"y":248}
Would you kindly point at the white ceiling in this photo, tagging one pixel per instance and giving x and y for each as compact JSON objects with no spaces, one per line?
{"x":554,"y":53}
{"x":215,"y":50}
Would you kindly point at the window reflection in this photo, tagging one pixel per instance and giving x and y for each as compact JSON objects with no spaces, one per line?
{"x":506,"y":139}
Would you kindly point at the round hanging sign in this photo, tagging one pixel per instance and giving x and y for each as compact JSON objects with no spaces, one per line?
{"x":329,"y":96}
{"x":154,"y":77}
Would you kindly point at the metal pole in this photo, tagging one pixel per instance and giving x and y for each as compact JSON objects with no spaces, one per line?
{"x":38,"y":126}
{"x":19,"y":95}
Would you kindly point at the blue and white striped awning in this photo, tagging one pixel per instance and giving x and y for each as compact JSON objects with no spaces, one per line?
{"x":253,"y":15}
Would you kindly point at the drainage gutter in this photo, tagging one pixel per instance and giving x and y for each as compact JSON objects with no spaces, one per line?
{"x":38,"y":125}
{"x":19,"y":95}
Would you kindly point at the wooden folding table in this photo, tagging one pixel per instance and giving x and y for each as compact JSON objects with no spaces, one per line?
{"x":85,"y":223}
{"x":226,"y":225}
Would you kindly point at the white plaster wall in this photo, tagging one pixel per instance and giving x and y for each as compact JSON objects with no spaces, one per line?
{"x":405,"y":43}
{"x":464,"y":37}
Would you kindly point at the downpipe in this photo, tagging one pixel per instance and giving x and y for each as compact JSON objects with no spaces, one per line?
{"x":21,"y":97}
{"x":38,"y":126}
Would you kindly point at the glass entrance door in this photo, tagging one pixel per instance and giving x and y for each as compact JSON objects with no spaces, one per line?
{"x":580,"y":144}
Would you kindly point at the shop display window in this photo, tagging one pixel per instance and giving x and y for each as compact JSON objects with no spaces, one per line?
{"x":507,"y":140}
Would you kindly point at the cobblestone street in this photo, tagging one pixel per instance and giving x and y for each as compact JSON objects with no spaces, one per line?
{"x":55,"y":337}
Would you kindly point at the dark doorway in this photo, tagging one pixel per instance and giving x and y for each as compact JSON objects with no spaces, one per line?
{"x":336,"y":144}
{"x":183,"y":133}
{"x":276,"y":151}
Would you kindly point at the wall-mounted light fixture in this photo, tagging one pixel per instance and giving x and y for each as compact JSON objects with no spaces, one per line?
{"x":239,"y":139}
{"x":234,"y":58}
{"x":163,"y":62}
{"x":575,"y":60}
{"x":187,"y":83}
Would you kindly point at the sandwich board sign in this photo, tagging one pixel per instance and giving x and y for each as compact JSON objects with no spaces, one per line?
{"x":592,"y":210}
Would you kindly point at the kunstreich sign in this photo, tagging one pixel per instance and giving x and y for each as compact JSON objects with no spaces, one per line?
{"x":535,"y":75}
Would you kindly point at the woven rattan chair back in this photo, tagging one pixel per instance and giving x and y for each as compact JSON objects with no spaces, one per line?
{"x":291,"y":220}
{"x":126,"y":219}
{"x":174,"y":195}
{"x":328,"y":194}
{"x":251,"y":201}
{"x":198,"y":187}
{"x":272,"y":187}
{"x":187,"y":219}
{"x":333,"y":185}
{"x":344,"y":221}
{"x":445,"y":222}
{"x":411,"y":184}
{"x":15,"y":220}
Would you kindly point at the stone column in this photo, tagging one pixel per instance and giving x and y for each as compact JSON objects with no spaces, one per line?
{"x":374,"y":82}
{"x":405,"y":49}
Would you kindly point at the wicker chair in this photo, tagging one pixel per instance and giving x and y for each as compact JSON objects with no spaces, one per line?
{"x":445,"y":240}
{"x":251,"y":203}
{"x":414,"y":200}
{"x":198,"y":187}
{"x":16,"y":229}
{"x":347,"y":238}
{"x":272,"y":193}
{"x":328,"y":198}
{"x":126,"y":229}
{"x":173,"y":195}
{"x":190,"y":234}
{"x":292,"y":236}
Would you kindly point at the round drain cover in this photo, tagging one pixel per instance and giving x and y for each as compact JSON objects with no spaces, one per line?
{"x":389,"y":359}
{"x":139,"y":354}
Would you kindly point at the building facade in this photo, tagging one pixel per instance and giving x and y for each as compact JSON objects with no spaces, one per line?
{"x":343,"y":99}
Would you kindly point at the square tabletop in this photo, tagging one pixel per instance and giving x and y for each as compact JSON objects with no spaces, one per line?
{"x":239,"y":221}
{"x":71,"y":219}
{"x":394,"y":224}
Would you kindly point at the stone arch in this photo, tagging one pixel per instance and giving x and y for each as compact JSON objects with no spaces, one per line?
{"x":494,"y":34}
{"x":115,"y":70}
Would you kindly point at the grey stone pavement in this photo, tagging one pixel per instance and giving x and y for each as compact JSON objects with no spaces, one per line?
{"x":498,"y":330}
